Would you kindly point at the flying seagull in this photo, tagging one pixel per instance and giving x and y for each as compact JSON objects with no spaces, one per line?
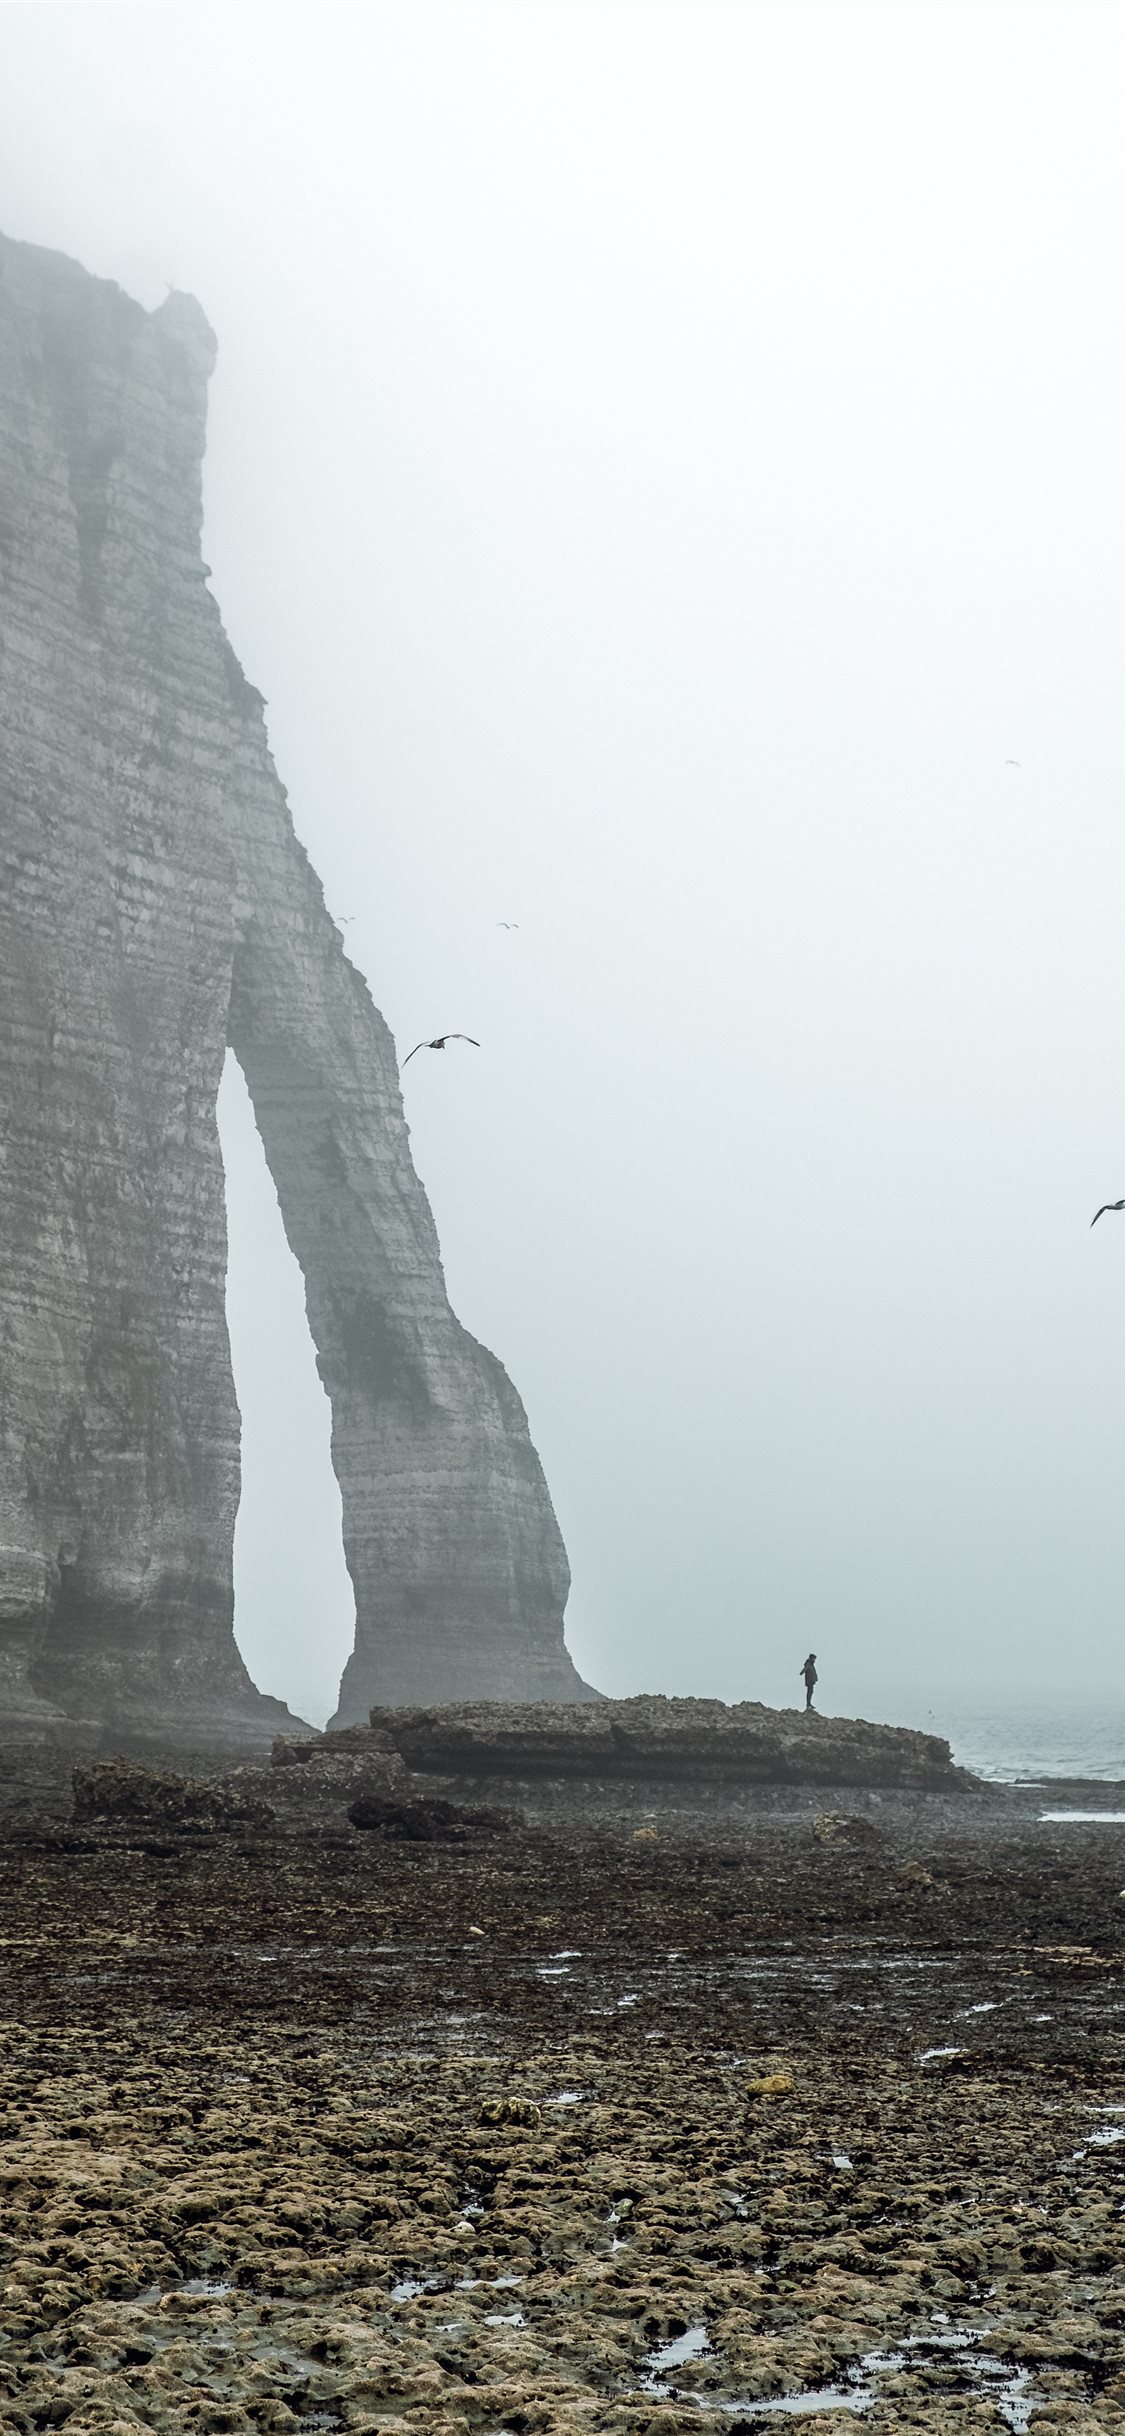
{"x":1013,"y":765}
{"x":1106,"y":1205}
{"x":439,"y":1043}
{"x":507,"y":926}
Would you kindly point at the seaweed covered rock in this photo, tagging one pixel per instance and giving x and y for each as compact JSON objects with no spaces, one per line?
{"x":116,"y":1792}
{"x":430,"y":1821}
{"x":834,"y":1827}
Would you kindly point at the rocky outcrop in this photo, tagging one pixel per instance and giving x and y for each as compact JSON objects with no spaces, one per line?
{"x":156,"y":908}
{"x":657,"y":1740}
{"x":315,"y":1778}
{"x":117,"y":1793}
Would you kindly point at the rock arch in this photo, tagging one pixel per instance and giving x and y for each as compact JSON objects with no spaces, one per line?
{"x":155,"y":907}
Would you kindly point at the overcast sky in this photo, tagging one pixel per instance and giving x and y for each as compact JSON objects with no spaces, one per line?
{"x":665,"y":474}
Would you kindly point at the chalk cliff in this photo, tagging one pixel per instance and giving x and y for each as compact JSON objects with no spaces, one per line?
{"x":156,"y":907}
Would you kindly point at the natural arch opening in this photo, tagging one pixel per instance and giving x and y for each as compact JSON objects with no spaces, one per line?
{"x":294,"y":1611}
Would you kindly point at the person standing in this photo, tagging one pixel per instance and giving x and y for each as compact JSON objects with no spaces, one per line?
{"x":809,"y":1672}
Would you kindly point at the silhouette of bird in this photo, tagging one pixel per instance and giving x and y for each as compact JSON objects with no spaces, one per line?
{"x":1107,"y":1205}
{"x":439,"y":1043}
{"x":507,"y":926}
{"x":1013,"y":765}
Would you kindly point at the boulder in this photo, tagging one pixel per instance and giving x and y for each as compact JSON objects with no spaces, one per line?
{"x":424,"y":1821}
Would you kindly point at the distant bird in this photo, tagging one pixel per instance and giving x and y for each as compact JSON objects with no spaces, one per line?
{"x":1107,"y":1205}
{"x":507,"y":926}
{"x":1013,"y":765}
{"x":439,"y":1043}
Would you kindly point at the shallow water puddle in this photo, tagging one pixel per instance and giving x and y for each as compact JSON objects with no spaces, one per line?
{"x":825,"y":2398}
{"x":1106,"y":2136}
{"x":1008,"y":2389}
{"x":691,"y":2345}
{"x":1082,"y":1818}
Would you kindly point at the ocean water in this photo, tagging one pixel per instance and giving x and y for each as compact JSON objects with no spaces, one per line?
{"x":1016,"y":1741}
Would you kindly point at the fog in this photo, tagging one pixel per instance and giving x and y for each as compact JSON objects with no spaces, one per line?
{"x":665,"y":476}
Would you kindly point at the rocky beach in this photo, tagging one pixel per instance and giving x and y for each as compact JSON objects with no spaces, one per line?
{"x":668,"y":2117}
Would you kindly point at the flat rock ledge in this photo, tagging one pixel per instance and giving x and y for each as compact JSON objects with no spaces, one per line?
{"x":651,"y":1739}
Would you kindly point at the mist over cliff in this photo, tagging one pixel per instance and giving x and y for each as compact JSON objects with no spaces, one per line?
{"x":664,"y":475}
{"x":157,"y":909}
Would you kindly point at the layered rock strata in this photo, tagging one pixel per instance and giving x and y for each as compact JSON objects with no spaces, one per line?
{"x":156,"y":908}
{"x":651,"y":1740}
{"x":657,"y":1738}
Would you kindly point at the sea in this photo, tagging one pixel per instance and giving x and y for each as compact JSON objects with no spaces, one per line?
{"x":1022,"y":1741}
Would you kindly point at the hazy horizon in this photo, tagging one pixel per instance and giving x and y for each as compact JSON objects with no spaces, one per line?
{"x":664,"y":473}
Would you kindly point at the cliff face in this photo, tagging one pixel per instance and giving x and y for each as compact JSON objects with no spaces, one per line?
{"x":155,"y":906}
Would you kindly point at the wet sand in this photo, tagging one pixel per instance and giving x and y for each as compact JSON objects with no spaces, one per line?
{"x":565,"y":2131}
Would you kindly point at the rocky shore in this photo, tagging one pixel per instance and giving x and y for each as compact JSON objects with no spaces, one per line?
{"x":654,"y":1739}
{"x":640,"y":2128}
{"x":620,"y":1760}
